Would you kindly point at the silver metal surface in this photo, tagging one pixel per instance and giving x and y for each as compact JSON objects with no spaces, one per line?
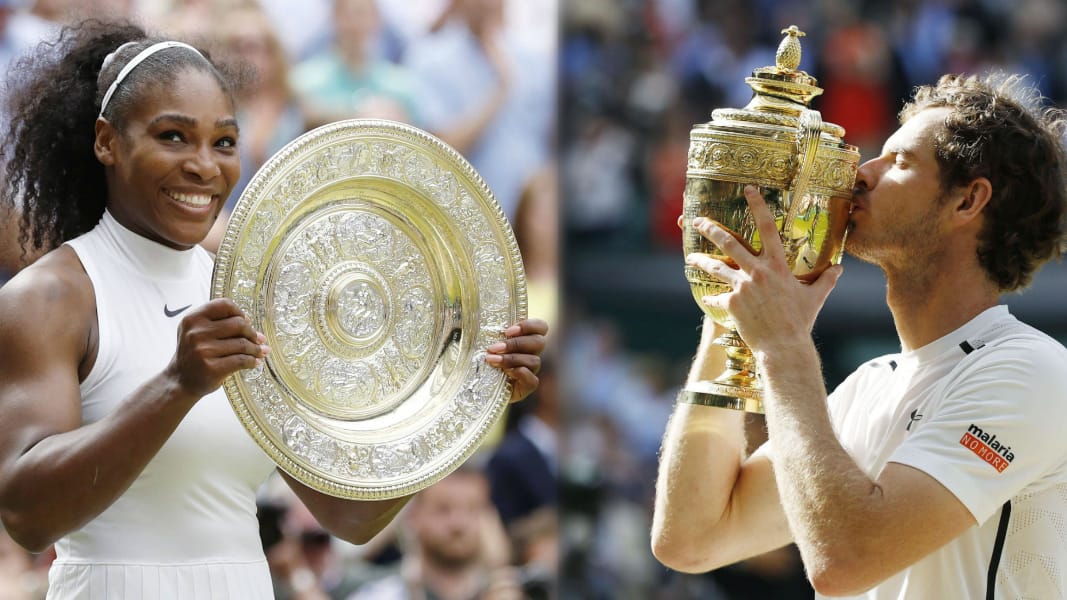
{"x":379,"y":267}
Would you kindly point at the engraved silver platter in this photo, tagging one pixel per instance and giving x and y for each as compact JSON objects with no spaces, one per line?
{"x":379,"y":266}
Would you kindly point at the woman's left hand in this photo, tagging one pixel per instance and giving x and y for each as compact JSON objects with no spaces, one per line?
{"x":519,"y":355}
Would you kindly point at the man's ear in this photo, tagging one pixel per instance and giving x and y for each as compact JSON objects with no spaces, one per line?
{"x":104,"y":144}
{"x":973,"y":200}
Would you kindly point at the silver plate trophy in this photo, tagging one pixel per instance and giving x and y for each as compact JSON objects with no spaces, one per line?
{"x":379,"y":266}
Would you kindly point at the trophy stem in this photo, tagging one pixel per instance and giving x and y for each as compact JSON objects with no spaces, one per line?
{"x":738,"y":386}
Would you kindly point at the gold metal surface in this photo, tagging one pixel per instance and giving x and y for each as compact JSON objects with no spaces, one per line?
{"x":379,"y":267}
{"x":804,"y":170}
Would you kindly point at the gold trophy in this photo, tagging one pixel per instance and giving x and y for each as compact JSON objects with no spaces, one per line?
{"x":804,"y":170}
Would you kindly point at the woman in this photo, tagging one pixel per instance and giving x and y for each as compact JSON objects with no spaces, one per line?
{"x":111,"y":439}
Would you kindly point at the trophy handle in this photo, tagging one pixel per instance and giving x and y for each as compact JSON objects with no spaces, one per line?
{"x":810,"y":128}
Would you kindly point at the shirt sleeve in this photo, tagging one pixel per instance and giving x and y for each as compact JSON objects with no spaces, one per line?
{"x":836,"y":403}
{"x":997,"y":426}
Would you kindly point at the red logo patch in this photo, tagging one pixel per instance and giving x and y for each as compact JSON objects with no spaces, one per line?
{"x":984,"y":452}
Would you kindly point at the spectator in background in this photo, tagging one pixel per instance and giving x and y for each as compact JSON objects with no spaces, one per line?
{"x":523,"y":468}
{"x":304,"y":563}
{"x":535,"y":547}
{"x":34,"y":21}
{"x":20,"y":31}
{"x":858,"y":79}
{"x":187,"y":19}
{"x":719,"y":52}
{"x":523,"y":475}
{"x":8,"y":44}
{"x":458,"y":546}
{"x":270,"y":115}
{"x":537,"y":232}
{"x":474,"y":96}
{"x":348,"y":80}
{"x":304,"y":26}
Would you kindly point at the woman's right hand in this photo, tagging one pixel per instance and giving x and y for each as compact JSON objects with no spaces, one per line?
{"x":215,"y":340}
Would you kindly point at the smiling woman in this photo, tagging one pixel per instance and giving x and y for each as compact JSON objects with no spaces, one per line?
{"x":122,"y":150}
{"x":176,"y":161}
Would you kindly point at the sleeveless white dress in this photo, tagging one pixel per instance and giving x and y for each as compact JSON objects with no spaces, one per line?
{"x":187,"y":526}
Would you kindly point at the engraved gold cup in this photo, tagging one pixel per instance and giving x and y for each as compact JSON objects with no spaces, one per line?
{"x":804,"y":170}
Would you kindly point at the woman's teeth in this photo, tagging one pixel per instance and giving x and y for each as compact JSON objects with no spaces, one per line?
{"x":191,"y":199}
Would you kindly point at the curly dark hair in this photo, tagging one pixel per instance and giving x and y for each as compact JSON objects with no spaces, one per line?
{"x":51,"y":174}
{"x":997,"y":129}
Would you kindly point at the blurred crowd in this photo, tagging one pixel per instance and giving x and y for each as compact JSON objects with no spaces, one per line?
{"x":632,"y":78}
{"x":635,"y":75}
{"x":478,"y":74}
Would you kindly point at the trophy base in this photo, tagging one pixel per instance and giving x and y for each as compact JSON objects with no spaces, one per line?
{"x":738,"y":388}
{"x":714,"y":393}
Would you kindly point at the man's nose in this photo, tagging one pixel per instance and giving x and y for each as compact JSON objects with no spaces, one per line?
{"x":866,"y":177}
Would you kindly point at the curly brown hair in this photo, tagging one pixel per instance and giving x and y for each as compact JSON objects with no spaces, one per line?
{"x":52,"y":177}
{"x":997,"y":129}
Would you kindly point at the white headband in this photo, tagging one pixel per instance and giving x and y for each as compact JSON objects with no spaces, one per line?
{"x":143,"y":54}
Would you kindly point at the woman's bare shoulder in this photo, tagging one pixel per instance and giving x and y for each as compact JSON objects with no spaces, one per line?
{"x":53,"y":292}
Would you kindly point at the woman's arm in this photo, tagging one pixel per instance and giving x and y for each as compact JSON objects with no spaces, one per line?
{"x":55,"y":473}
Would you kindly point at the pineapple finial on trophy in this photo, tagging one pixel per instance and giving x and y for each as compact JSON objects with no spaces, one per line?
{"x":788,"y":55}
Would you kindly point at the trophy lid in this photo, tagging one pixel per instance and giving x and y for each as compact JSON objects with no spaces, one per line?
{"x":780,"y":94}
{"x":775,"y":138}
{"x":783,"y":80}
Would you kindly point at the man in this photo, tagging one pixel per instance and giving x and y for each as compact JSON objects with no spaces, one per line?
{"x":938,"y":472}
{"x":459,"y":550}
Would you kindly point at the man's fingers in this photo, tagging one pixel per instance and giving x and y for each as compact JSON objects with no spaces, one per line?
{"x":761,"y":213}
{"x":727,"y":243}
{"x":712,"y":266}
{"x":827,"y":281}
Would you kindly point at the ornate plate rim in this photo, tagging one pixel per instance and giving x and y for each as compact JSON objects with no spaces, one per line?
{"x":223,"y":272}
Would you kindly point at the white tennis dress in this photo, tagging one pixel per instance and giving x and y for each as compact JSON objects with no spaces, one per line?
{"x":187,"y":526}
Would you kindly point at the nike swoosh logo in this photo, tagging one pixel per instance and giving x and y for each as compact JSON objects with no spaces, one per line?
{"x":175,"y":312}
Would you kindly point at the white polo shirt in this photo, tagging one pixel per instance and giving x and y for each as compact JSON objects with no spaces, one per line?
{"x":984,"y":411}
